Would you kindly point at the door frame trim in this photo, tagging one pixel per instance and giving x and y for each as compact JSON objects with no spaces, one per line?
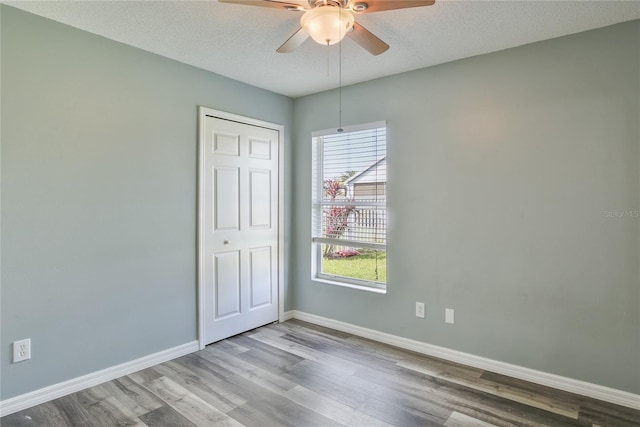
{"x":203,"y":112}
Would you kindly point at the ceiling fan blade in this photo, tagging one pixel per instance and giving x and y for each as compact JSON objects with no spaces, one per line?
{"x":367,"y":40}
{"x":371,"y":6}
{"x":287,"y":5}
{"x":294,"y":41}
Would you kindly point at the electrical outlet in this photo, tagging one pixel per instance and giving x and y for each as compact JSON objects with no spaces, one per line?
{"x":448,"y":315}
{"x":420,"y":309}
{"x":21,"y":350}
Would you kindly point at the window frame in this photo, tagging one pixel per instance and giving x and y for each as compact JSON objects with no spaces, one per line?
{"x":317,"y":163}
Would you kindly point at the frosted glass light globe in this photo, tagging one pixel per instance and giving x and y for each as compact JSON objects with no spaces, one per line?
{"x":327,"y":24}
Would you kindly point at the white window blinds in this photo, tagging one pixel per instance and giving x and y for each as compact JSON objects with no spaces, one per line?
{"x":350,"y":187}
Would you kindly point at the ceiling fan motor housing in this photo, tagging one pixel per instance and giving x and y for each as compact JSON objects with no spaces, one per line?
{"x":320,"y":3}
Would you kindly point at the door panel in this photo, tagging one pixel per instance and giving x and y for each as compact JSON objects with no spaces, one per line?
{"x":227,"y":284}
{"x":261,"y":284}
{"x":226,"y":200}
{"x":240,"y":227}
{"x":227,"y":143}
{"x":260,"y":198}
{"x":260,"y":149}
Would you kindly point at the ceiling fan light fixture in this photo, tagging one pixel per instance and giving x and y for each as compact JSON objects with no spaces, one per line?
{"x":327,"y":24}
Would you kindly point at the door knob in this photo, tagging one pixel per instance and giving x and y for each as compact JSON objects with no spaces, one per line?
{"x":226,"y":242}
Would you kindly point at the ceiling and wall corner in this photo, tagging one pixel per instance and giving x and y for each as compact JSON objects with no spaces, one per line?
{"x":240,"y":41}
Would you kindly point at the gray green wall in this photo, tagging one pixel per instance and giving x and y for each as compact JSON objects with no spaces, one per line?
{"x":99,"y":172}
{"x":504,"y":170}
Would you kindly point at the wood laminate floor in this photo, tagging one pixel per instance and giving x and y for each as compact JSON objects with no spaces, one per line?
{"x":298,"y":374}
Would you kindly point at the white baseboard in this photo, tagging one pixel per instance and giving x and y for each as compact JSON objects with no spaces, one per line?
{"x":27,"y":400}
{"x":583,"y":388}
{"x":623,"y":398}
{"x":287,"y":315}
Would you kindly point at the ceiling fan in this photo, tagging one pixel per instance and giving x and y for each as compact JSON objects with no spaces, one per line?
{"x":328,"y":21}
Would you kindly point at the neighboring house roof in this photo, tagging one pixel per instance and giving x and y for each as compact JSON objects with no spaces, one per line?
{"x":377,"y":172}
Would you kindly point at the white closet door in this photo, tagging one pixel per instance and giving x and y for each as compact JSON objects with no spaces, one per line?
{"x":240,"y":240}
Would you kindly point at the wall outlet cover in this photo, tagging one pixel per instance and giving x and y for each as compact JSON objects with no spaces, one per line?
{"x":420,"y":309}
{"x":449,"y":315}
{"x":21,"y":350}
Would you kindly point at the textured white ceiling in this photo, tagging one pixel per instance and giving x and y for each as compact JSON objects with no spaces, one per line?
{"x":240,"y":41}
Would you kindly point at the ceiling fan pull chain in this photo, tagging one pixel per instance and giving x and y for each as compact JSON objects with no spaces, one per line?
{"x":340,"y":88}
{"x":328,"y":60}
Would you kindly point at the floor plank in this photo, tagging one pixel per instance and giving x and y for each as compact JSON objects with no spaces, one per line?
{"x":478,"y":404}
{"x":189,"y":405}
{"x":165,"y":416}
{"x":204,"y":385}
{"x":461,"y":420}
{"x":276,"y":340}
{"x":566,"y":408}
{"x":606,"y":414}
{"x":332,"y":408}
{"x":250,"y":372}
{"x":46,"y":414}
{"x":106,"y":409}
{"x":134,"y":398}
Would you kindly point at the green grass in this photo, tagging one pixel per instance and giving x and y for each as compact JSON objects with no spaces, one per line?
{"x":359,"y":267}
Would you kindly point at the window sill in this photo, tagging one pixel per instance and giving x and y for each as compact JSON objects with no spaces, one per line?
{"x":350,"y":285}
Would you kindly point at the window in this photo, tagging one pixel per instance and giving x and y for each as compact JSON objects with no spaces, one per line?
{"x":349,"y":227}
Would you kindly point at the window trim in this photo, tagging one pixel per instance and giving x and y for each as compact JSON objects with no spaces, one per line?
{"x":317,"y":276}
